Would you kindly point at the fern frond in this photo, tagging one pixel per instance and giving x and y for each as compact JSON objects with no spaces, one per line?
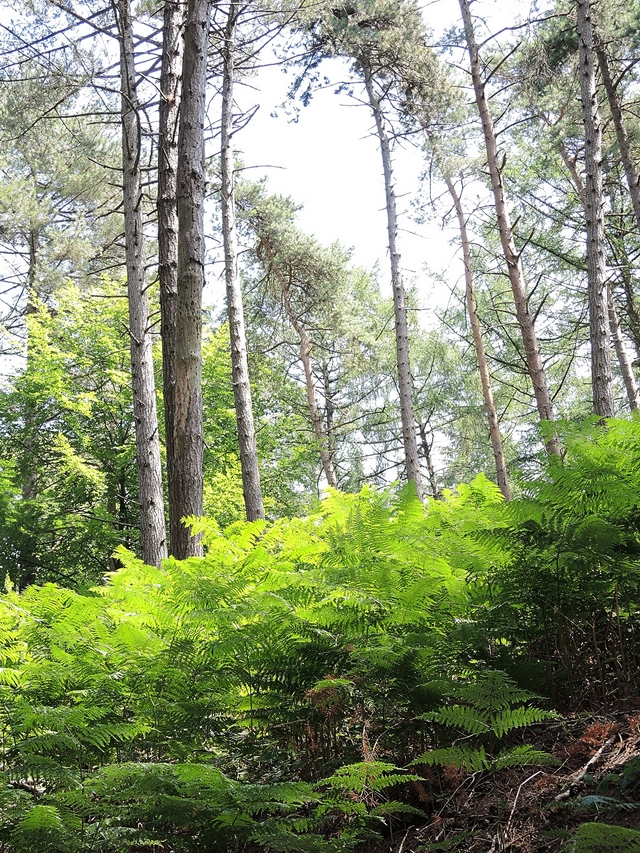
{"x":368,"y":776}
{"x":460,"y":757}
{"x":523,"y":756}
{"x":41,"y":817}
{"x":460,"y":717}
{"x":518,"y":718}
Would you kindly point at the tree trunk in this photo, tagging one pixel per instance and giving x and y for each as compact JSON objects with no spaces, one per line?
{"x":152,"y":521}
{"x":614,"y":324}
{"x":601,"y":378}
{"x":239,"y":361}
{"x":485,"y":379}
{"x":170,"y":85}
{"x":623,"y":358}
{"x":329,"y":410}
{"x":405,"y":382}
{"x":30,"y":473}
{"x":304,"y":350}
{"x":630,"y":169}
{"x":29,"y":463}
{"x":505,"y":228}
{"x":631,"y":306}
{"x":188,"y":429}
{"x":426,"y":452}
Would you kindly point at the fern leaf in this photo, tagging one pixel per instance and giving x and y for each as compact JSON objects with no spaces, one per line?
{"x":523,"y":756}
{"x":40,"y":818}
{"x":460,"y":717}
{"x":460,"y":757}
{"x":518,"y":718}
{"x":368,"y":776}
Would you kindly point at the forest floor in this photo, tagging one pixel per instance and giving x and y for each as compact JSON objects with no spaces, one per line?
{"x":526,"y":810}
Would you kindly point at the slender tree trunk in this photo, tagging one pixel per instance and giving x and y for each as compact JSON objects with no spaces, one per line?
{"x":239,"y":361}
{"x":631,"y":307}
{"x":152,"y":521}
{"x":426,"y":452}
{"x":624,"y":361}
{"x":630,"y":169}
{"x":329,"y":410}
{"x":601,"y":377}
{"x":405,"y":382}
{"x":170,"y":85}
{"x":505,"y":228}
{"x":29,"y":464}
{"x":483,"y":367}
{"x":316,"y":417}
{"x":614,"y":324}
{"x":305,"y":351}
{"x":30,"y":475}
{"x":188,"y":428}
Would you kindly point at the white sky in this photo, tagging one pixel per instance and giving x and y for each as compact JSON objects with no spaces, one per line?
{"x":329,"y":162}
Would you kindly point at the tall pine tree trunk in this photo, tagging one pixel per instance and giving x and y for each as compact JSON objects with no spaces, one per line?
{"x":630,"y":384}
{"x":601,"y":377}
{"x":483,"y":367}
{"x":631,"y":305}
{"x":188,"y":427}
{"x":624,"y":361}
{"x":152,"y":521}
{"x":170,"y":85}
{"x":628,"y":162}
{"x":304,"y":348}
{"x":252,"y":492}
{"x":505,"y":229}
{"x":428,"y":458}
{"x":405,"y":383}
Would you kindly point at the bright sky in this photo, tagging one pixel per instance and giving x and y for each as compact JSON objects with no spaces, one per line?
{"x":329,"y":162}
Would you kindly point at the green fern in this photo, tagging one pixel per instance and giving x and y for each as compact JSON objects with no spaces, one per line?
{"x":368,"y":776}
{"x":460,"y":757}
{"x":487,"y":716}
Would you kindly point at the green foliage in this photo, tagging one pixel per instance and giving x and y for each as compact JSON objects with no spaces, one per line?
{"x":66,"y":438}
{"x":489,"y":712}
{"x":287,"y":460}
{"x":604,"y":838}
{"x":351,"y":349}
{"x":568,"y":575}
{"x":272,"y":692}
{"x":168,"y":703}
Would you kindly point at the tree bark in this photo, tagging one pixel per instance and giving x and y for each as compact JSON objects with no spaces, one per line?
{"x":252,"y":492}
{"x":30,"y":475}
{"x":505,"y":229}
{"x":405,"y":382}
{"x":150,"y":496}
{"x":631,"y":306}
{"x":628,"y":163}
{"x":305,"y":350}
{"x":426,"y":452}
{"x":188,"y":428}
{"x":170,"y":86}
{"x":624,"y":361}
{"x":601,"y":377}
{"x":614,"y":324}
{"x":329,"y":410}
{"x":485,"y":379}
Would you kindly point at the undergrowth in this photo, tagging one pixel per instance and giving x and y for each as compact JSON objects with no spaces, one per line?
{"x":311,"y":684}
